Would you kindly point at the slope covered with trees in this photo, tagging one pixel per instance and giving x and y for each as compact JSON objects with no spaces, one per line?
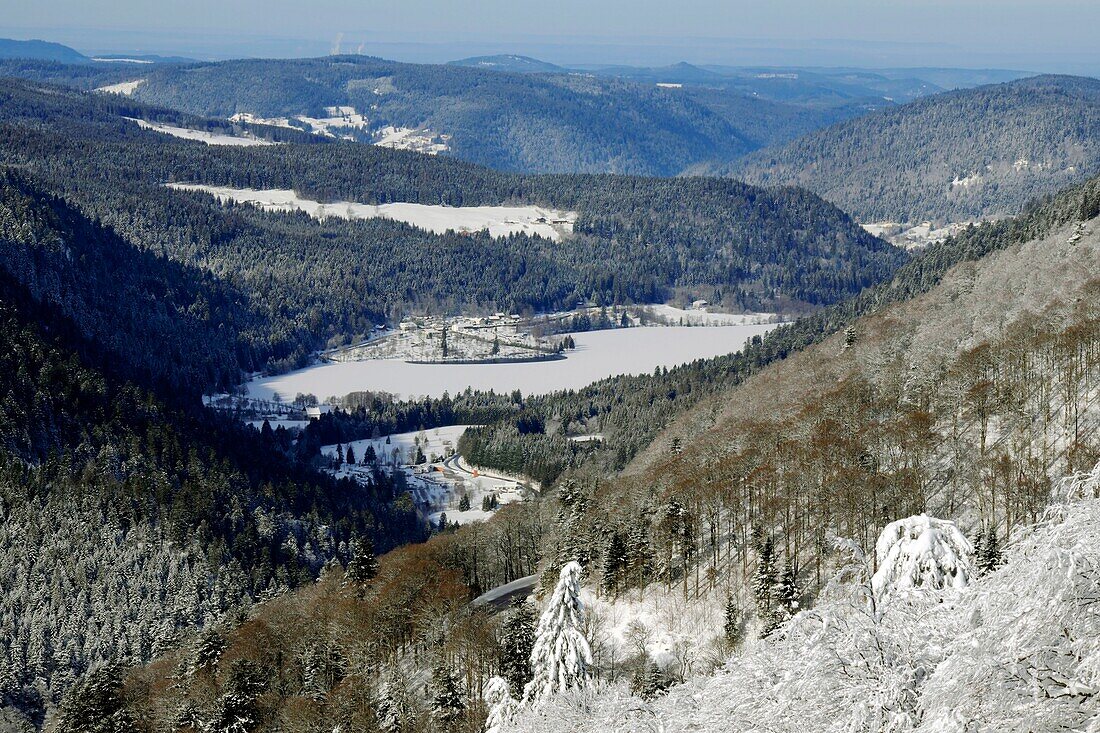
{"x":131,"y":514}
{"x":956,"y":156}
{"x":493,"y":110}
{"x":325,"y":282}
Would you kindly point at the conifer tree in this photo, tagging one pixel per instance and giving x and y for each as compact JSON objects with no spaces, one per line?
{"x":731,"y":629}
{"x":561,"y":657}
{"x":363,"y":565}
{"x":448,"y":699}
{"x":787,"y":590}
{"x":502,"y":706}
{"x":516,"y":642}
{"x":396,"y":709}
{"x":464,"y":503}
{"x":763,"y":585}
{"x":96,"y":705}
{"x":989,"y":552}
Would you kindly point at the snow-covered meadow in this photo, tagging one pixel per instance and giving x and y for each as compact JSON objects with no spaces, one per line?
{"x":703,"y":317}
{"x":125,"y":88}
{"x":499,"y":221}
{"x":599,"y":354}
{"x":203,"y":136}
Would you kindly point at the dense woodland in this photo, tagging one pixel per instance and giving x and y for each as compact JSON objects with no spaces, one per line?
{"x":323,"y":283}
{"x":956,"y":156}
{"x":555,"y":123}
{"x":148,"y":516}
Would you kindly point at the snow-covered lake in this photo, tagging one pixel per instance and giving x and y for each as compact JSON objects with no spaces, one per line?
{"x":599,"y":354}
{"x":499,"y":221}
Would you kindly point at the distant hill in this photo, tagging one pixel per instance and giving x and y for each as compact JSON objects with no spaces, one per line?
{"x":40,"y":50}
{"x":554,"y":121}
{"x":510,"y":63}
{"x":956,"y":156}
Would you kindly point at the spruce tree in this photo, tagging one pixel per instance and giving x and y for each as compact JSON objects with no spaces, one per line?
{"x":731,"y":629}
{"x":561,"y":657}
{"x":763,"y":584}
{"x":516,"y":642}
{"x":614,"y":563}
{"x":363,"y":565}
{"x":787,"y":590}
{"x":464,"y":503}
{"x":989,"y":554}
{"x":448,"y":699}
{"x":96,"y":705}
{"x":396,"y":708}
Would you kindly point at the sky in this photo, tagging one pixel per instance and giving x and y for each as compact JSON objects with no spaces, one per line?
{"x":1039,"y":35}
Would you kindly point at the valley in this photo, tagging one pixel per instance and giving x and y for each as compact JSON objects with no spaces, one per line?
{"x":504,"y":395}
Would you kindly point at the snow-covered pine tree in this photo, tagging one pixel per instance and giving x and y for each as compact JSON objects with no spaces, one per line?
{"x":648,"y":680}
{"x":561,"y":656}
{"x":763,"y":584}
{"x":731,"y":629}
{"x":922,"y":552}
{"x":502,"y":706}
{"x":614,"y":563}
{"x":464,"y":503}
{"x":988,"y":553}
{"x":396,"y":710}
{"x":516,"y":641}
{"x":787,"y":589}
{"x":95,"y":705}
{"x":448,"y":699}
{"x":363,"y":565}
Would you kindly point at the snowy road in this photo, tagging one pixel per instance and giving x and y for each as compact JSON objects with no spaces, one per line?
{"x":501,"y":596}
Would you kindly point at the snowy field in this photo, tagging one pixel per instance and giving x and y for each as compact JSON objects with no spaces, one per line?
{"x":499,"y":221}
{"x":701,"y":317}
{"x":210,"y":138}
{"x":348,"y":124}
{"x":915,"y":237}
{"x":125,"y":88}
{"x":599,"y":354}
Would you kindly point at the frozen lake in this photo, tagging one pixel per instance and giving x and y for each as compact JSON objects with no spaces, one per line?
{"x":598,"y":354}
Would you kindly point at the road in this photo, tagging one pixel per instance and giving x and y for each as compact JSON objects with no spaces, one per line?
{"x":454,"y":465}
{"x":502,"y":596}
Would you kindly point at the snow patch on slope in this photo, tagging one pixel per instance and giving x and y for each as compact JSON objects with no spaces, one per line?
{"x":345,"y":123}
{"x":499,"y":221}
{"x":125,"y":88}
{"x":203,"y":136}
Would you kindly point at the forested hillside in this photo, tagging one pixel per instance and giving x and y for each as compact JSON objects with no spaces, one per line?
{"x":629,"y":412}
{"x":490,"y":111}
{"x":313,"y":283}
{"x":506,"y":121}
{"x":957,"y":156}
{"x":132,"y":515}
{"x":967,"y":394}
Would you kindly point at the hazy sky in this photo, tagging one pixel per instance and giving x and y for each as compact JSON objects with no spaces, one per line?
{"x":1033,"y":34}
